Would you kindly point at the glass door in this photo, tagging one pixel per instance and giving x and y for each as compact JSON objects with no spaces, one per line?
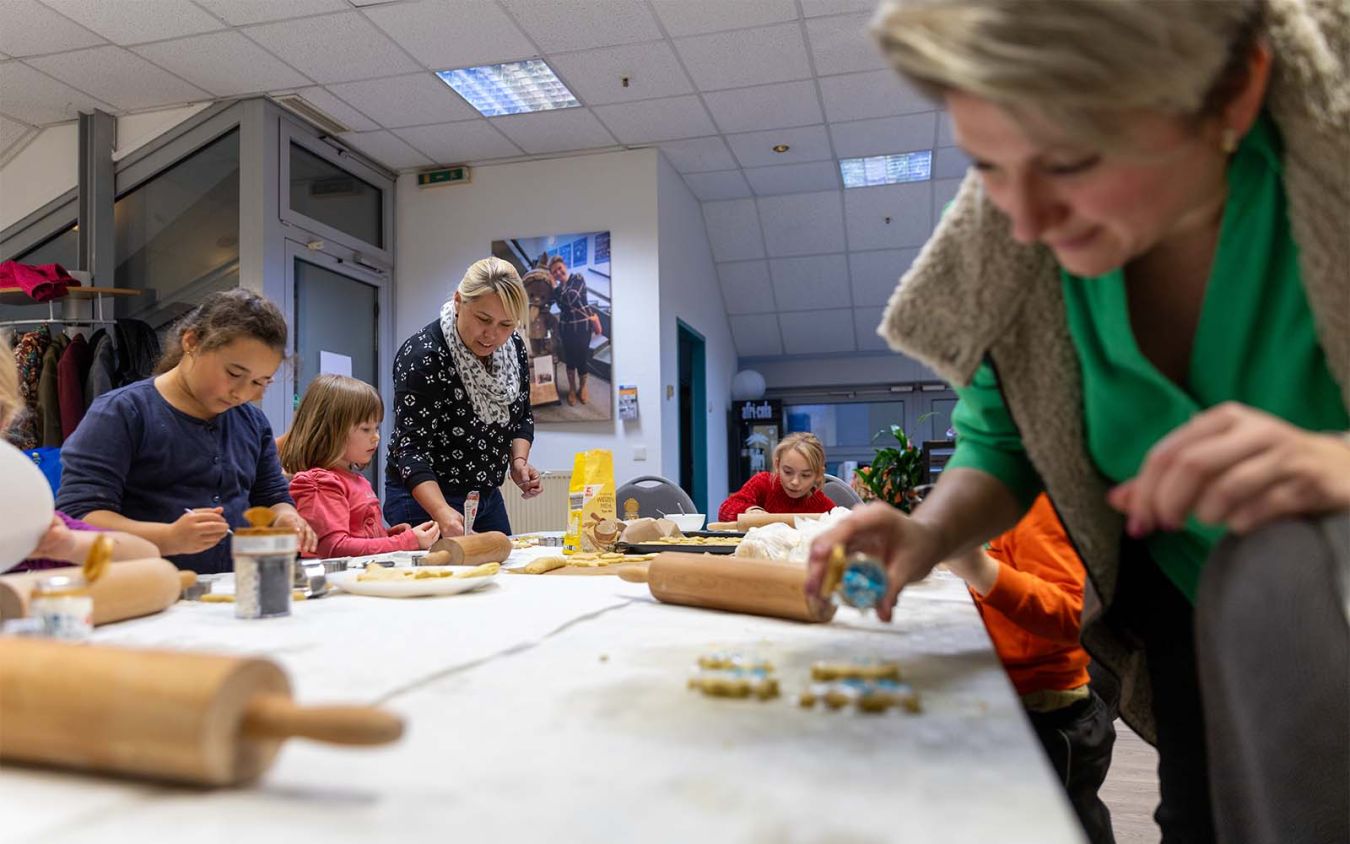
{"x":336,"y":318}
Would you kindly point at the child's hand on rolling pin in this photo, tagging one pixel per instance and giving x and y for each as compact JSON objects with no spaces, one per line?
{"x":427,"y":534}
{"x":196,"y":530}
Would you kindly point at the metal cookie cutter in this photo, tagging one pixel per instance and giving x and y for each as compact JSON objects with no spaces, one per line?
{"x":858,"y":581}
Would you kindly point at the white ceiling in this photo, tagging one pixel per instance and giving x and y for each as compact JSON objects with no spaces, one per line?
{"x":805,"y":266}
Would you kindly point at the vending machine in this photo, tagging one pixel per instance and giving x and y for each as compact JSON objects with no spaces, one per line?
{"x":753,"y":429}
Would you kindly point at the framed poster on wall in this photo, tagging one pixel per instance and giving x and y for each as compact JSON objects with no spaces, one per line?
{"x":570,"y":323}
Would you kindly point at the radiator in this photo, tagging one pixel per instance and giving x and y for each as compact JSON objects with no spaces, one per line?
{"x":546,"y":511}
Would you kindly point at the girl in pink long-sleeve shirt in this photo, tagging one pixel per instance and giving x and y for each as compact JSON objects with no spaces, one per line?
{"x":336,"y":432}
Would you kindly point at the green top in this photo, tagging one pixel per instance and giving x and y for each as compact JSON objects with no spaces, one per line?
{"x":1255,"y":343}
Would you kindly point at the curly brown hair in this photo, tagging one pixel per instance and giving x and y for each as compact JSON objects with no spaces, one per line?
{"x":222,"y":318}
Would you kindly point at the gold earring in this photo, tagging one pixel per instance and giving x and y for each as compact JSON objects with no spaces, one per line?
{"x":1228,"y":141}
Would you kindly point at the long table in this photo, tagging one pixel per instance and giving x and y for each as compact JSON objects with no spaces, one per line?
{"x":554,"y":708}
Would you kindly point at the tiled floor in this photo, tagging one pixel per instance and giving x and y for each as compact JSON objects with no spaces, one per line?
{"x":1131,"y":788}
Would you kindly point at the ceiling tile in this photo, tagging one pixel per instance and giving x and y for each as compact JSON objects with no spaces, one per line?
{"x":733,"y":229}
{"x":443,"y":34}
{"x":945,"y":136}
{"x":119,"y":78}
{"x":802,"y":224}
{"x":877,"y":93}
{"x":695,"y":17}
{"x":31,"y":29}
{"x":766,"y":106}
{"x":242,"y":12}
{"x":909,"y":208}
{"x":386,"y":148}
{"x":725,"y":184}
{"x":334,"y":48}
{"x":817,"y":332}
{"x":413,"y":100}
{"x":804,"y":284}
{"x":746,"y":288}
{"x":794,"y":178}
{"x":560,"y":130}
{"x":10,"y":133}
{"x":657,"y":120}
{"x":458,"y":143}
{"x":944,"y":191}
{"x":596,"y":76}
{"x":816,"y":8}
{"x":756,"y":335}
{"x":143,"y":20}
{"x":884,"y":135}
{"x":950,"y":163}
{"x":842,"y":44}
{"x":224,"y":63}
{"x":875,"y":274}
{"x":805,"y":143}
{"x":865,"y":322}
{"x":559,"y":25}
{"x":327,"y":102}
{"x":37,"y":99}
{"x":745,"y":57}
{"x":698,"y":155}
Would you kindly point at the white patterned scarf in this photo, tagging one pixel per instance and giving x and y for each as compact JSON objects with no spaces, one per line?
{"x":492,"y":393}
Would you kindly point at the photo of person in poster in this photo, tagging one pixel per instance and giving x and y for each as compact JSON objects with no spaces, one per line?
{"x":567,"y":278}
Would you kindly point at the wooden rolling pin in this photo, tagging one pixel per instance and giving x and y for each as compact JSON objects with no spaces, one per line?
{"x":757,"y":519}
{"x":129,"y":589}
{"x":472,"y":550}
{"x":735,"y":584}
{"x":165,"y":715}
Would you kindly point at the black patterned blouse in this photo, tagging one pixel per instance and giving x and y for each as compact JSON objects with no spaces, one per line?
{"x":437,"y":435}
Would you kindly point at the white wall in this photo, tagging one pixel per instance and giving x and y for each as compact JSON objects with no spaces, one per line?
{"x":43,"y":170}
{"x":442,"y":230}
{"x":880,"y":368}
{"x":48,"y":165}
{"x":691,"y":293}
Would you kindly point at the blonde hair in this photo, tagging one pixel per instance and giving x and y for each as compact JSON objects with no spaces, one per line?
{"x":1082,"y":65}
{"x":809,"y":448}
{"x":11,"y":401}
{"x":332,"y":406}
{"x":493,"y":275}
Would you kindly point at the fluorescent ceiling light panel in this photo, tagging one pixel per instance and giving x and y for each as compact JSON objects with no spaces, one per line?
{"x":887,"y":169}
{"x":511,"y":88}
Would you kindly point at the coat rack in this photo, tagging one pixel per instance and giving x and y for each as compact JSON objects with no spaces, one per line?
{"x":99,"y":295}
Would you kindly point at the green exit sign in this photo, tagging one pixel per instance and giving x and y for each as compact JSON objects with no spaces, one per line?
{"x":445,"y":176}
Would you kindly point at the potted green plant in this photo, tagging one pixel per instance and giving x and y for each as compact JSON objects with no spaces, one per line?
{"x":896,"y":471}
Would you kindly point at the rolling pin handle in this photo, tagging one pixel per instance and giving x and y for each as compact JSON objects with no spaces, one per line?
{"x":277,"y":716}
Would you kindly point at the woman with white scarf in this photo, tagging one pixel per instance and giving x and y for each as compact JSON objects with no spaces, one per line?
{"x":462,"y":415}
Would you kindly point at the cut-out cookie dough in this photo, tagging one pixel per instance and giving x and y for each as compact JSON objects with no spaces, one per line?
{"x":824,"y":672}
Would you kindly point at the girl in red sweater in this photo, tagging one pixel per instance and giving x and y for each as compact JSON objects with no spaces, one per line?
{"x":336,"y":432}
{"x":792,"y":487}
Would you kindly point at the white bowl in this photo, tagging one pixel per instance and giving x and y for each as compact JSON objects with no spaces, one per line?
{"x":687,"y":521}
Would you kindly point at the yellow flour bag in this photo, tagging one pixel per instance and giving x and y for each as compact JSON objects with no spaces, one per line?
{"x":590,"y":501}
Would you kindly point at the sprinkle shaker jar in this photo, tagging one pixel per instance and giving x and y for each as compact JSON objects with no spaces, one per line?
{"x":264,"y":568}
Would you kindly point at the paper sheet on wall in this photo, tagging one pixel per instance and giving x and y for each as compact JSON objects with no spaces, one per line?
{"x":332,"y":363}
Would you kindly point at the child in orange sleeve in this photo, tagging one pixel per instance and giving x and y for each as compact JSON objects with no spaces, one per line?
{"x":337,"y":430}
{"x":1028,"y":587}
{"x":792,"y":487}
